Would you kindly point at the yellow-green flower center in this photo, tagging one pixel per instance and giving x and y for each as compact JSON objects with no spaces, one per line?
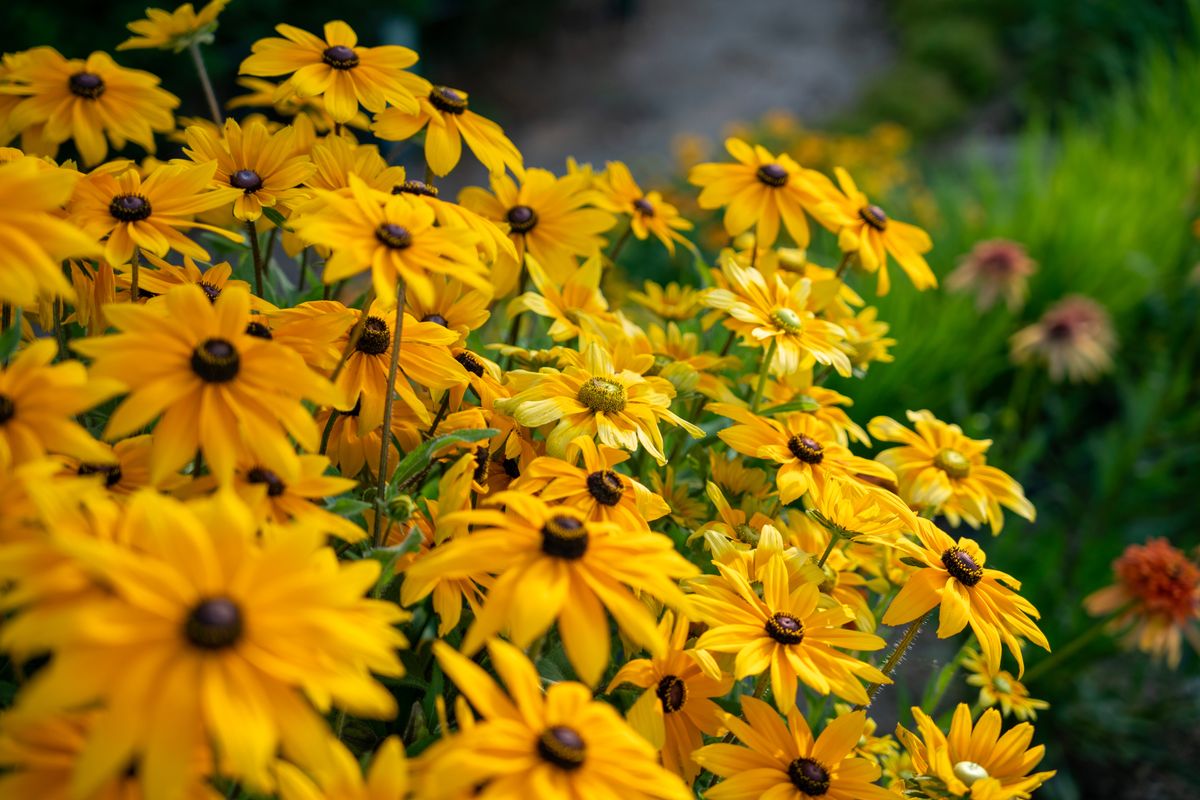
{"x":448,"y":100}
{"x":1002,"y":685}
{"x":601,"y":394}
{"x":874,"y":216}
{"x":563,"y":747}
{"x":961,"y":566}
{"x":952,"y":462}
{"x":787,"y":319}
{"x":672,"y":693}
{"x":809,"y":776}
{"x":969,"y":772}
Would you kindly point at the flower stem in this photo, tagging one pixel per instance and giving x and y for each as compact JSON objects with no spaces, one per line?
{"x":325,"y":434}
{"x":355,"y":333}
{"x":214,"y":108}
{"x":441,"y":415}
{"x":1066,"y":651}
{"x":134,"y":262}
{"x":906,"y":641}
{"x":833,"y":537}
{"x":844,"y":264}
{"x":386,"y":438}
{"x":514,"y":330}
{"x":620,"y":243}
{"x":258,"y":261}
{"x":762,"y":375}
{"x":303,"y":277}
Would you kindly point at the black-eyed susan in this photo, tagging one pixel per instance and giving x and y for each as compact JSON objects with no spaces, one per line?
{"x":282,"y":496}
{"x":131,"y":470}
{"x":825,"y":404}
{"x":492,"y":240}
{"x":592,"y":398}
{"x":1000,"y":687}
{"x":164,"y":276}
{"x":262,"y":164}
{"x":786,"y":762}
{"x":974,"y":760}
{"x":577,"y":307}
{"x":448,"y":121}
{"x":994,"y":269}
{"x":761,"y":189}
{"x":85,"y":100}
{"x":454,"y":305}
{"x":217,"y":388}
{"x":670,"y":302}
{"x":560,"y":743}
{"x":211,"y":640}
{"x":38,"y":403}
{"x":648,"y":212}
{"x":784,"y":632}
{"x":150,"y":214}
{"x":945,"y":472}
{"x":1074,"y":340}
{"x":556,"y":220}
{"x":551,"y":563}
{"x":687,"y":348}
{"x":675,"y":710}
{"x":286,"y":103}
{"x":865,"y":230}
{"x":342,"y":779}
{"x":335,"y":158}
{"x":34,"y":239}
{"x":806,"y":449}
{"x":953,"y":576}
{"x":338,"y":70}
{"x":174,"y":30}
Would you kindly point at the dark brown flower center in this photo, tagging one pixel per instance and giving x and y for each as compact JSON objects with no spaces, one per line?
{"x":672,"y":692}
{"x":448,"y":100}
{"x":396,"y":237}
{"x":247,"y":180}
{"x":216,"y":361}
{"x":129,"y":207}
{"x":438,"y":318}
{"x":563,"y":747}
{"x":86,"y":84}
{"x":111,"y":472}
{"x":644,"y":207}
{"x":512,"y":467}
{"x":521,"y":219}
{"x":214,"y":624}
{"x":606,"y":486}
{"x":275,"y":486}
{"x":807,"y":449}
{"x":210,"y":291}
{"x":874,"y":216}
{"x":809,"y":776}
{"x":564,"y":536}
{"x":773,"y":175}
{"x":375,"y":338}
{"x":1059,"y":331}
{"x":259,"y":330}
{"x":8,"y":408}
{"x":415,"y":187}
{"x":601,"y":394}
{"x":340,"y":57}
{"x":962,"y":566}
{"x":470,"y":363}
{"x":785,"y":629}
{"x":482,"y":464}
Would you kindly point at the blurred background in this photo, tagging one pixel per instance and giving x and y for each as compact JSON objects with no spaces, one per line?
{"x":1070,"y":129}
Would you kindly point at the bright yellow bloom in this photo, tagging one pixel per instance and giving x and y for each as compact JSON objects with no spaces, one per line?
{"x":454,"y":305}
{"x":1000,"y":687}
{"x":864,"y":229}
{"x":648,"y":212}
{"x":336,"y":158}
{"x":448,"y":122}
{"x":34,"y":239}
{"x":974,"y":759}
{"x":148,"y":214}
{"x":216,"y":387}
{"x":953,"y":576}
{"x":263,"y":165}
{"x":174,"y":30}
{"x":281,"y":497}
{"x":577,"y":306}
{"x":552,"y":564}
{"x":285,"y":102}
{"x":335,"y":68}
{"x":1074,"y":339}
{"x":131,"y":470}
{"x":784,"y":632}
{"x":557,"y":744}
{"x":670,"y":302}
{"x":386,"y":779}
{"x":945,"y":472}
{"x":165,"y":276}
{"x":38,"y":403}
{"x":85,"y":100}
{"x":786,"y":762}
{"x":759,"y":190}
{"x":824,"y":404}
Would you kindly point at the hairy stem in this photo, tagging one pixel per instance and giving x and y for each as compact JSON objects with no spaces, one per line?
{"x":385,"y":440}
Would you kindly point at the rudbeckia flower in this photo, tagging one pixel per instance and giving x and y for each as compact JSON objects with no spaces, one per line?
{"x":174,"y":30}
{"x":1000,"y":687}
{"x":786,"y":761}
{"x":337,"y":69}
{"x":552,"y":564}
{"x":342,"y":779}
{"x":448,"y":122}
{"x":336,"y":158}
{"x":1074,"y":339}
{"x":670,"y":302}
{"x":648,"y":212}
{"x":84,"y":100}
{"x":165,"y":276}
{"x":994,"y":269}
{"x":974,"y":759}
{"x":945,"y":472}
{"x":286,"y":103}
{"x":217,"y":388}
{"x":556,"y":744}
{"x":454,"y":305}
{"x":577,"y":307}
{"x":131,"y":470}
{"x":953,"y":577}
{"x":280,"y":497}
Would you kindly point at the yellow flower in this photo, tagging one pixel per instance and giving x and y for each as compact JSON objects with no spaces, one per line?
{"x":953,"y":576}
{"x":577,"y":306}
{"x":999,"y":686}
{"x":687,"y":510}
{"x":444,"y":114}
{"x":38,"y":403}
{"x":454,"y":305}
{"x":1074,"y":339}
{"x":648,"y":212}
{"x":165,"y":276}
{"x":552,"y":564}
{"x":336,"y":158}
{"x":148,"y":214}
{"x":551,"y":218}
{"x":784,"y":632}
{"x":781,"y":761}
{"x":208,"y":639}
{"x":824,"y":404}
{"x":670,"y":302}
{"x":864,"y":229}
{"x":174,"y":30}
{"x":263,"y":165}
{"x":560,"y":743}
{"x":287,"y":103}
{"x":974,"y":759}
{"x":192,"y":362}
{"x":774,"y":315}
{"x":131,"y":470}
{"x":87,"y":99}
{"x":759,"y":190}
{"x":592,"y":398}
{"x":281,"y":497}
{"x":806,"y":449}
{"x":943,"y":471}
{"x":34,"y":240}
{"x":338,"y":70}
{"x":386,"y":779}
{"x":675,"y":711}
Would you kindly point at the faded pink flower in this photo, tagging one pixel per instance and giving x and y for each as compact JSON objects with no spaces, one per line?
{"x":1074,"y":339}
{"x":994,"y":269}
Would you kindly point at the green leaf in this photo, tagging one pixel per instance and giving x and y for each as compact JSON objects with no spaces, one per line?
{"x":912,"y":562}
{"x":347,"y":507}
{"x":276,"y":218}
{"x":415,"y":462}
{"x":10,"y":338}
{"x":387,"y":556}
{"x":800,"y":403}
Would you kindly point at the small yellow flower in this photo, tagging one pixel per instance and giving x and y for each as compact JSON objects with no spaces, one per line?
{"x":1000,"y":687}
{"x":670,"y":302}
{"x":577,"y":307}
{"x":648,"y":212}
{"x":174,"y":30}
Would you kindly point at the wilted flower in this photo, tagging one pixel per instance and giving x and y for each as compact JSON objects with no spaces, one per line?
{"x":1074,"y":339}
{"x":994,"y":269}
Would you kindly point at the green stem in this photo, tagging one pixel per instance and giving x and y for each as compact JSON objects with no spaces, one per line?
{"x":514,"y":329}
{"x":300,"y":281}
{"x":333,"y":415}
{"x":258,"y":265}
{"x":833,"y":537}
{"x":762,"y":375}
{"x":214,"y":108}
{"x":441,"y":414}
{"x":620,"y":243}
{"x":386,"y":439}
{"x":905,"y":642}
{"x":1066,"y":651}
{"x":728,"y":343}
{"x":844,"y":264}
{"x":134,"y":262}
{"x":352,"y":339}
